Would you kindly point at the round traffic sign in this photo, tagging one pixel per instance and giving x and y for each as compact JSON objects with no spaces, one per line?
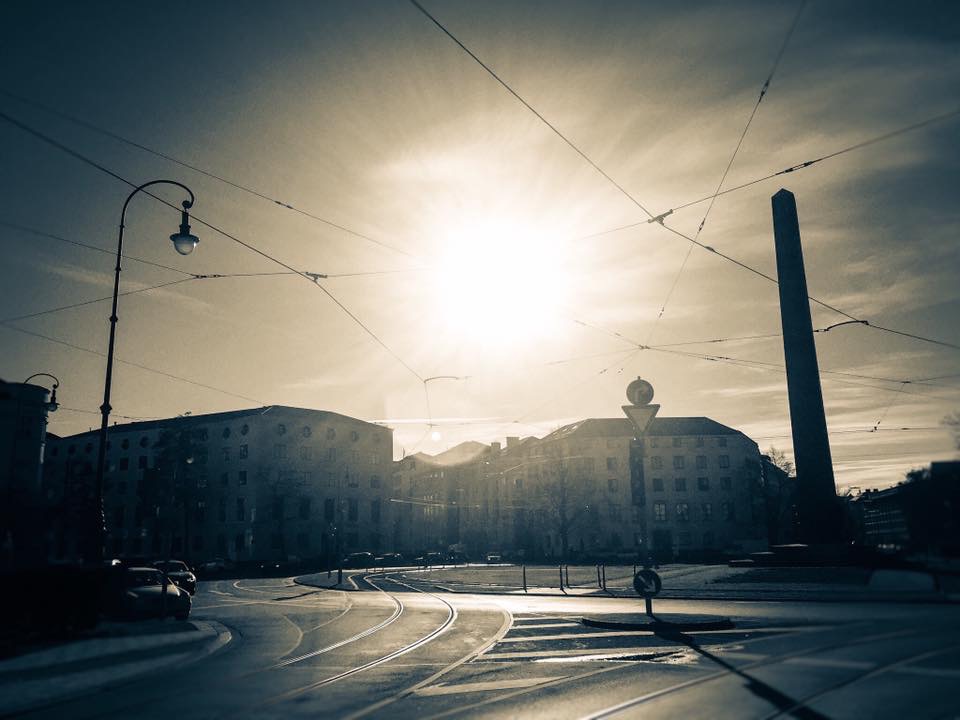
{"x":647,"y":583}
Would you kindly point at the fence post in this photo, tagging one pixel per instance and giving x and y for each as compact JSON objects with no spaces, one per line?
{"x":560,"y":568}
{"x":524,"y":578}
{"x":604,"y":569}
{"x":567,"y":568}
{"x":598,"y":576}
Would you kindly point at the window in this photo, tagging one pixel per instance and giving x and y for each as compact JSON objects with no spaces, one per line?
{"x":656,"y":462}
{"x":701,"y":462}
{"x":201,"y":482}
{"x":726,"y":483}
{"x":125,"y":445}
{"x":706,"y":511}
{"x":328,"y":510}
{"x":306,"y":453}
{"x":244,"y":451}
{"x":683,"y":512}
{"x":724,"y":461}
{"x":354,"y":436}
{"x":726,"y":509}
{"x":306,"y":431}
{"x":226,"y":433}
{"x":658,"y":484}
{"x":374,"y":481}
{"x":226,"y":454}
{"x":703,"y":483}
{"x":330,"y":479}
{"x":678,"y":462}
{"x":611,"y":463}
{"x":281,"y":429}
{"x":374,"y":458}
{"x":201,"y":511}
{"x":304,"y":510}
{"x":654,"y":442}
{"x":352,"y":480}
{"x":144,"y":441}
{"x":222,"y":510}
{"x":332,"y":454}
{"x":142,"y":462}
{"x":224,"y":479}
{"x":352,"y":511}
{"x":279,"y":452}
{"x":244,"y":429}
{"x":722,"y":442}
{"x":677,"y":442}
{"x":331,"y":433}
{"x":200,"y":457}
{"x":660,"y":512}
{"x":200,"y":434}
{"x":124,"y":464}
{"x":375,"y":511}
{"x":242,"y":477}
{"x":699,"y":441}
{"x":612,"y":484}
{"x":680,"y":484}
{"x":241,"y":509}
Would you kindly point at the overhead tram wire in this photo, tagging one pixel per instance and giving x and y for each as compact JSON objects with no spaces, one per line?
{"x":213,"y":176}
{"x":726,"y":170}
{"x":529,"y":107}
{"x":83,"y":158}
{"x":793,"y":168}
{"x":145,"y":368}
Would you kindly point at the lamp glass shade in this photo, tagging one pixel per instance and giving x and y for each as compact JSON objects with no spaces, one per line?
{"x":185,"y":243}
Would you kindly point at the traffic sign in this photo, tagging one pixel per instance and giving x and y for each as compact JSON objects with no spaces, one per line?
{"x":647,"y":583}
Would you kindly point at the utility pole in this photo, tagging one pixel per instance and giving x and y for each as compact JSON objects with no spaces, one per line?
{"x":820,"y":521}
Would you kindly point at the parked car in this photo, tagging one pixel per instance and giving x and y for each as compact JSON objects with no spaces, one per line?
{"x":180,"y":573}
{"x":146,"y":593}
{"x":392,"y":559}
{"x":358,"y":560}
{"x":216,"y":566}
{"x":434,"y":558}
{"x":494,"y":557}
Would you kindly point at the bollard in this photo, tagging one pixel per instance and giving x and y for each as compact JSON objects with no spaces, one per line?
{"x":560,"y":568}
{"x":604,"y":570}
{"x":524,"y":578}
{"x":339,"y":576}
{"x":567,"y":568}
{"x":598,"y":576}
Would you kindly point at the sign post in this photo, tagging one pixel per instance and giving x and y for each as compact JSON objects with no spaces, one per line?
{"x":647,"y":583}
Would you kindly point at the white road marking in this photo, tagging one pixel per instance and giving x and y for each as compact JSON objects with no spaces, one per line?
{"x":526,"y":626}
{"x":612,"y":652}
{"x":830,"y":663}
{"x":444,"y":689}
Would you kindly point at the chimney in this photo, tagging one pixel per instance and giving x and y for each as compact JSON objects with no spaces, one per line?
{"x":512,"y":440}
{"x":495,"y":447}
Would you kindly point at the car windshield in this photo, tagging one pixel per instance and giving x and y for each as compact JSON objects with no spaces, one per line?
{"x":141,"y":578}
{"x":173,"y":566}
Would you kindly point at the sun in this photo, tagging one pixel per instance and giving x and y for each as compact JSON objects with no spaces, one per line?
{"x":500,"y":283}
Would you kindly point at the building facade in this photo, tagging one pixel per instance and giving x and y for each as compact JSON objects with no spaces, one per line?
{"x":683,"y":488}
{"x":272,"y":483}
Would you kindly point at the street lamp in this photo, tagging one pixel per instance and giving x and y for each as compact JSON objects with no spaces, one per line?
{"x":184,"y":243}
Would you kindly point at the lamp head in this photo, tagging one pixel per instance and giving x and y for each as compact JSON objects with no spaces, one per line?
{"x":184,"y":241}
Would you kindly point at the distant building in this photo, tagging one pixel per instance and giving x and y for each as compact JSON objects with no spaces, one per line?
{"x":23,"y":435}
{"x":265,"y":484}
{"x":687,"y":488}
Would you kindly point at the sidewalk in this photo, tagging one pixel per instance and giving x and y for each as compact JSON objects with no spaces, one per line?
{"x":113,"y":653}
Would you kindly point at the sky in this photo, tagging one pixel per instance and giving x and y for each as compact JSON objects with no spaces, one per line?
{"x":477,"y":286}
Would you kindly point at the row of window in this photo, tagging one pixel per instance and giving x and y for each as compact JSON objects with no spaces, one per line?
{"x":240,"y":514}
{"x":682,"y":511}
{"x":680,"y":484}
{"x":679,"y":461}
{"x":678,"y":441}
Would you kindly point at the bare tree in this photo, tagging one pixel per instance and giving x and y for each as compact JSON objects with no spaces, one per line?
{"x":779,"y":459}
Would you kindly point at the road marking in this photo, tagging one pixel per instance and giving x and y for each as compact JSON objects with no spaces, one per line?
{"x":830,"y":663}
{"x":444,"y":689}
{"x":525,"y":626}
{"x":580,"y":651}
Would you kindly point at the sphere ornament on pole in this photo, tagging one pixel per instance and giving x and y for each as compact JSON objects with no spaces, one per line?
{"x":184,"y":242}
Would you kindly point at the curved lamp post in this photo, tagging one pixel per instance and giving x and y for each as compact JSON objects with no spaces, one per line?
{"x":184,"y":243}
{"x":52,"y":405}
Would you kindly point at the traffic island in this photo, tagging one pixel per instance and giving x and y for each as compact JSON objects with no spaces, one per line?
{"x":665,"y":623}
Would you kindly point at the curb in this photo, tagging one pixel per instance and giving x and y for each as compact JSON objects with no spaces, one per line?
{"x":93,"y":670}
{"x":657,"y":625}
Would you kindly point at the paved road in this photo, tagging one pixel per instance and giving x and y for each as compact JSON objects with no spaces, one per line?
{"x":394,"y":651}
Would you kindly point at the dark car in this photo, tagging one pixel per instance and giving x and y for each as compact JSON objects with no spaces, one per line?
{"x":180,"y":573}
{"x":358,"y":560}
{"x":147,"y":593}
{"x":434,"y":558}
{"x":392,"y":559}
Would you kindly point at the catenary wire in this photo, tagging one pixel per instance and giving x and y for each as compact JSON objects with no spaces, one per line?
{"x":83,"y":158}
{"x":119,"y":138}
{"x":753,"y":113}
{"x":146,"y":368}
